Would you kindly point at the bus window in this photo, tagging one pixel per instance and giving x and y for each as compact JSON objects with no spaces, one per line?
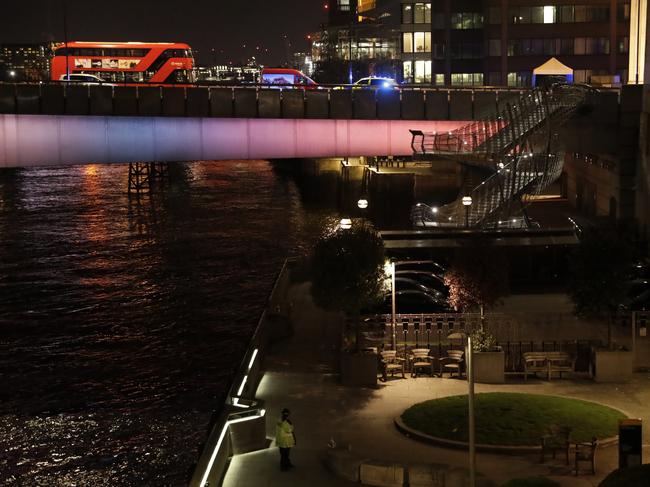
{"x":133,"y":77}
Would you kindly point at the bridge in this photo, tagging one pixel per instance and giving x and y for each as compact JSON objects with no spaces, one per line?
{"x":54,"y":124}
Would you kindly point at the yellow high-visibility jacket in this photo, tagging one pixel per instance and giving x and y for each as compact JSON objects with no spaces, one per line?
{"x":284,"y":434}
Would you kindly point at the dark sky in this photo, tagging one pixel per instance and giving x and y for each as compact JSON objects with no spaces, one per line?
{"x":223,"y":25}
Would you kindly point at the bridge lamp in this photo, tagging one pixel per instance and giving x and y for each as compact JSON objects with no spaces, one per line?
{"x":467,"y":202}
{"x":345,"y":224}
{"x":362,"y":203}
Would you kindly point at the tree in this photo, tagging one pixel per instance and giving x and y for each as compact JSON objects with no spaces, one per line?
{"x":347,"y":272}
{"x":597,"y":273}
{"x":477,"y":276}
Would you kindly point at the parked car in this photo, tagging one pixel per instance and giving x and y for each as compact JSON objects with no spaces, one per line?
{"x":640,"y":270}
{"x":637,"y":295}
{"x":408,"y":284}
{"x":426,"y":266}
{"x":409,"y":302}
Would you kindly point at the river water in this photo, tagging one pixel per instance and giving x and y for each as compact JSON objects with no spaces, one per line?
{"x":121,"y":321}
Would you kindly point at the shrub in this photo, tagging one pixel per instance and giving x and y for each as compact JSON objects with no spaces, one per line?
{"x":483,"y":341}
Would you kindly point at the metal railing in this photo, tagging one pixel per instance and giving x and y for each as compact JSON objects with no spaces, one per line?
{"x":240,"y":404}
{"x":520,"y":145}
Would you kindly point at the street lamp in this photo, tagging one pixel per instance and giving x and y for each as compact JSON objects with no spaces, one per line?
{"x":362,"y":203}
{"x":12,"y":73}
{"x":470,"y":400}
{"x":345,"y":224}
{"x":389,"y":269}
{"x":467,"y":202}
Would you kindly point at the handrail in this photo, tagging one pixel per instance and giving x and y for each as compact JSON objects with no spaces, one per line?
{"x":239,"y":405}
{"x":503,"y":143}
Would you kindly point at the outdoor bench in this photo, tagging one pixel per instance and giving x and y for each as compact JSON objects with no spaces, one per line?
{"x":548,"y":362}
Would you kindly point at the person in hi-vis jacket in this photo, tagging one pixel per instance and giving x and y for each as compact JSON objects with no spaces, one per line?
{"x":285,"y":439}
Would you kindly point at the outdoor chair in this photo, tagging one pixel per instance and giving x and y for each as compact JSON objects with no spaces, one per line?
{"x":391,"y":363}
{"x":452,"y":362}
{"x":557,"y":439}
{"x":586,"y":452}
{"x":421,"y":360}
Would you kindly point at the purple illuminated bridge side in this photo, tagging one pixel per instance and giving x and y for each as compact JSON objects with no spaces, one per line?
{"x":37,"y":140}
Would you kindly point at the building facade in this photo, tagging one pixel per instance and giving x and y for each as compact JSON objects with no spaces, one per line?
{"x":362,"y":34}
{"x":500,"y":42}
{"x":25,"y":62}
{"x":488,"y":42}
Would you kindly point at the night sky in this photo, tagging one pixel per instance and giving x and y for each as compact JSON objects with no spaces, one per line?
{"x":223,"y":25}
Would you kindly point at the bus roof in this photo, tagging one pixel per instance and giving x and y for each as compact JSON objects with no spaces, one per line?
{"x":122,"y":44}
{"x":281,"y":71}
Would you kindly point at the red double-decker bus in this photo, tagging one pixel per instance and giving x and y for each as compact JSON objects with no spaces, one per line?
{"x":125,"y":62}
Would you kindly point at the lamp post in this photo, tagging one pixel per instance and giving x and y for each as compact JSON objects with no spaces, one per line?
{"x":65,"y":40}
{"x":470,"y":400}
{"x":392,"y":306}
{"x":467,"y":202}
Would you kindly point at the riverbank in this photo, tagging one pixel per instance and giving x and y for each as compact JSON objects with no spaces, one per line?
{"x":300,"y":373}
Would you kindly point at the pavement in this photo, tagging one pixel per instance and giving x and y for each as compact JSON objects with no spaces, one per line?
{"x":300,"y":374}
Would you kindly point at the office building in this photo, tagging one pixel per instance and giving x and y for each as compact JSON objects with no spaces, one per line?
{"x":501,"y":42}
{"x":25,"y":62}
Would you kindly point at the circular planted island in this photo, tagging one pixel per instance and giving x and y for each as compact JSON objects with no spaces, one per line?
{"x":509,"y":419}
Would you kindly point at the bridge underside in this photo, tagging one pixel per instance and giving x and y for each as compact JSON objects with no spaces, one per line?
{"x":37,"y":140}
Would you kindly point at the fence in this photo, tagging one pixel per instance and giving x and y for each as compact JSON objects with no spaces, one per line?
{"x":516,"y":333}
{"x":253,"y":102}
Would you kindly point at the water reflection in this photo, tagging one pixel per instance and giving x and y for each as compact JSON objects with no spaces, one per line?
{"x":390,"y":192}
{"x":123,"y":318}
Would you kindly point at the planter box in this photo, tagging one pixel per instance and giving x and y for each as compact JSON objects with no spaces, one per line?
{"x":358,"y":369}
{"x":612,"y":365}
{"x":489,"y":367}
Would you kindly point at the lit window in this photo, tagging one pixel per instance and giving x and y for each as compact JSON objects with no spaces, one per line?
{"x":407,"y":42}
{"x":422,"y":41}
{"x":422,"y":71}
{"x":549,"y":14}
{"x":407,"y":71}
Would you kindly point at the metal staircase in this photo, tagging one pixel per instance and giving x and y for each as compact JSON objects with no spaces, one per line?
{"x":521,"y":146}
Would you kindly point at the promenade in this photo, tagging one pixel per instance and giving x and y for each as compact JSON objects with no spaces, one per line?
{"x":300,"y":374}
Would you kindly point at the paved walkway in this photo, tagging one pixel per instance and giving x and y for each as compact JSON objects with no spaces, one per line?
{"x":300,"y":376}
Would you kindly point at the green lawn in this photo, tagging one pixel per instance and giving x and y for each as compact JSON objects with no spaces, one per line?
{"x":512,"y":419}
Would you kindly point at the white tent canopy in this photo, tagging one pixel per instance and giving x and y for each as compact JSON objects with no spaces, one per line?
{"x":553,"y":67}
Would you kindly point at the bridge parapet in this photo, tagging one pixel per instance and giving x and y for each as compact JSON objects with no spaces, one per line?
{"x":254,"y":102}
